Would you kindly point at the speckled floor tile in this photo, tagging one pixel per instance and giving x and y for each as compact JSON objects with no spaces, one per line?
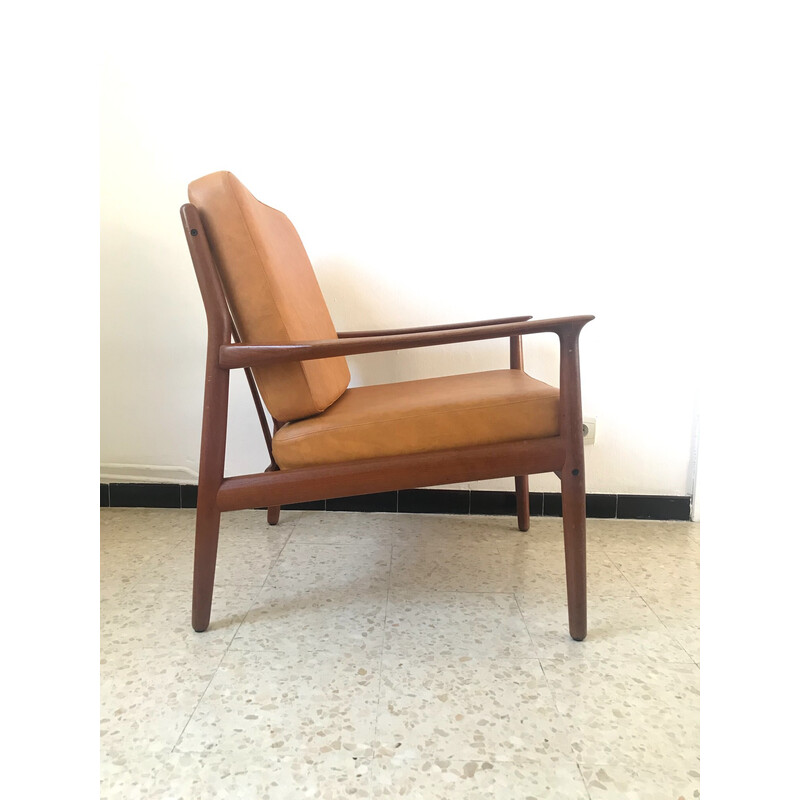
{"x":688,"y":637}
{"x":644,"y":536}
{"x":341,"y":527}
{"x":218,"y":776}
{"x":630,"y":783}
{"x":136,"y":541}
{"x":123,"y":566}
{"x":468,"y":709}
{"x":454,"y":568}
{"x":311,"y":620}
{"x":282,"y":704}
{"x":449,"y":624}
{"x":675,"y":605}
{"x":331,"y":567}
{"x":214,"y":776}
{"x":679,"y":609}
{"x":537,"y":569}
{"x":255,"y":521}
{"x":628,"y":711}
{"x":147,"y":695}
{"x":145,"y":524}
{"x":620,"y":628}
{"x":115,"y":550}
{"x":454,"y":530}
{"x":243,"y":558}
{"x":126,"y":775}
{"x":392,"y":655}
{"x":147,"y":616}
{"x":543,"y":530}
{"x":662,"y":573}
{"x":440,"y":779}
{"x":136,"y":549}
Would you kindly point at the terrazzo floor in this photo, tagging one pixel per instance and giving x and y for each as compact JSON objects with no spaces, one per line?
{"x":355,"y":655}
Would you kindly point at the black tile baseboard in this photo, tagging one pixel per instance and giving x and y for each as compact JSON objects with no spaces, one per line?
{"x":188,"y":496}
{"x":503,"y":503}
{"x":632,"y":506}
{"x":433,"y":501}
{"x":382,"y":501}
{"x":311,"y":505}
{"x":144,"y":495}
{"x":598,"y":506}
{"x":420,"y":501}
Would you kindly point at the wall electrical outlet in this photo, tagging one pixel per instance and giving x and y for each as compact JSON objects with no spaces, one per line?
{"x":589,"y":430}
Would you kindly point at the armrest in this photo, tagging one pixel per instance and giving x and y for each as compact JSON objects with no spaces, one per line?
{"x":232,"y":356}
{"x":426,"y":328}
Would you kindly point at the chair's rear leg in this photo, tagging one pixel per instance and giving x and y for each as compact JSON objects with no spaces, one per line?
{"x":520,"y":481}
{"x":523,"y":502}
{"x":212,"y":465}
{"x":273,"y":512}
{"x":573,"y":496}
{"x":215,"y":418}
{"x":205,"y":560}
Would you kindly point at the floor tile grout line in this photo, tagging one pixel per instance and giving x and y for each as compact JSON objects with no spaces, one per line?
{"x":525,"y":623}
{"x":667,"y":629}
{"x":617,"y":568}
{"x":550,"y":686}
{"x":200,"y":700}
{"x":583,"y":778}
{"x":276,"y":559}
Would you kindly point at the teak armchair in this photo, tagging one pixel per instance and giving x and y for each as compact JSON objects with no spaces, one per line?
{"x":266,"y":315}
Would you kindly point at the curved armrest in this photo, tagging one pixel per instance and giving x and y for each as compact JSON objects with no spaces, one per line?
{"x":251,"y":355}
{"x":426,"y":328}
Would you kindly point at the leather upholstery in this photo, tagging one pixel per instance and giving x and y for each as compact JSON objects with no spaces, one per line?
{"x":273,"y":292}
{"x":422,"y":416}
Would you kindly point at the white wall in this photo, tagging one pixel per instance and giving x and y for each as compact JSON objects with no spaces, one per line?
{"x":442,"y":162}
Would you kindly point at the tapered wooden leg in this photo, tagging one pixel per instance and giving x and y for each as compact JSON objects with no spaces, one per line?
{"x":212,"y":463}
{"x":573,"y":482}
{"x":273,"y":515}
{"x":523,"y":502}
{"x":520,"y":481}
{"x":573,"y":497}
{"x":205,"y":560}
{"x":215,"y":418}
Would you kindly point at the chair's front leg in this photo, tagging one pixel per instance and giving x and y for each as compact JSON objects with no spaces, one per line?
{"x":573,"y":483}
{"x":573,"y":502}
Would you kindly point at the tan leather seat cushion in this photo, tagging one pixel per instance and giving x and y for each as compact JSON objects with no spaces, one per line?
{"x":273,"y":293}
{"x":422,"y":416}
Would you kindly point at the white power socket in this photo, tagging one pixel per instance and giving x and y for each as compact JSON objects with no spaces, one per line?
{"x":589,"y":430}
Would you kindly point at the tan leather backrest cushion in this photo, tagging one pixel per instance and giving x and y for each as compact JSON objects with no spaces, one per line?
{"x":273,"y":293}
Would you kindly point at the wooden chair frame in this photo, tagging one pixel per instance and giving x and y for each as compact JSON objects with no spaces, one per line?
{"x":562,"y":454}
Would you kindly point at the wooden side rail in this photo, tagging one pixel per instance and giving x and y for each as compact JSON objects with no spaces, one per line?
{"x":481,"y":462}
